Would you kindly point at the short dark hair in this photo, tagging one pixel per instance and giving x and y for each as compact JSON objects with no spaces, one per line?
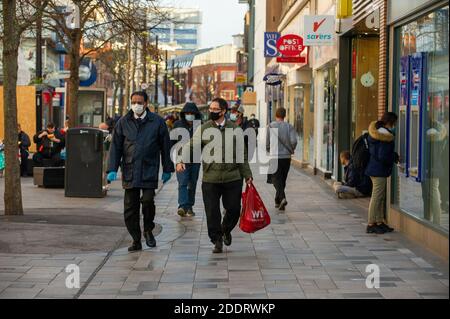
{"x":281,"y":113}
{"x":222,"y":103}
{"x":345,"y":154}
{"x":389,"y":118}
{"x":50,"y":125}
{"x":140,"y":93}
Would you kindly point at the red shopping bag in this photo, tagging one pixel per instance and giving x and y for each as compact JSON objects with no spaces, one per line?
{"x":254,"y":215}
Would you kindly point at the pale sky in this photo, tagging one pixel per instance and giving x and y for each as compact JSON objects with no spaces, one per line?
{"x":221,"y":19}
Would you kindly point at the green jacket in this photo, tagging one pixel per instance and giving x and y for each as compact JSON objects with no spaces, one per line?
{"x":227,"y":167}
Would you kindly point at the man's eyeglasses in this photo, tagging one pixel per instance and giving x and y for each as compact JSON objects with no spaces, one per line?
{"x":215,"y":110}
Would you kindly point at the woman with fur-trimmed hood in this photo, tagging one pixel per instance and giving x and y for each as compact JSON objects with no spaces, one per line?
{"x":382,"y":159}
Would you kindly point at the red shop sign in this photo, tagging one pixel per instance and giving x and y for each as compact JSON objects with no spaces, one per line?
{"x":290,"y":45}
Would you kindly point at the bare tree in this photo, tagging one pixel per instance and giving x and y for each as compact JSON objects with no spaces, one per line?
{"x":17,"y":16}
{"x":96,"y":24}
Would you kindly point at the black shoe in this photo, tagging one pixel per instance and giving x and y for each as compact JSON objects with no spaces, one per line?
{"x":190,"y":213}
{"x":181,"y":212}
{"x":149,"y":239}
{"x":218,"y":247}
{"x":374,"y":229}
{"x":386,"y":228}
{"x":136,"y":246}
{"x":277,"y":205}
{"x":227,"y":239}
{"x":283,"y":205}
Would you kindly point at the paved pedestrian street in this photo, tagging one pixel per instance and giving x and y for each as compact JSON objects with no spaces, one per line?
{"x":317,"y":248}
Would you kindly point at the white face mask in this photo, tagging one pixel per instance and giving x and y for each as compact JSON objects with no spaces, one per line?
{"x":190,"y":117}
{"x":233,"y":117}
{"x":138,"y":109}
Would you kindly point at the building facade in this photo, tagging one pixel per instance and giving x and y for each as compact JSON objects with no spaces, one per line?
{"x":182,"y":28}
{"x":385,"y":56}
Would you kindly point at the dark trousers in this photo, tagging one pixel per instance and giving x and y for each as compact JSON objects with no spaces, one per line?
{"x":279,"y":179}
{"x":231,"y":194}
{"x":23,"y":162}
{"x":38,"y":159}
{"x":132,"y":205}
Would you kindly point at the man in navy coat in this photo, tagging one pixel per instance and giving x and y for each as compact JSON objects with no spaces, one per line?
{"x":140,"y":143}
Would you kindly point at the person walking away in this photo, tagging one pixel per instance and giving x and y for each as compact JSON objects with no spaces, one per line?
{"x":382,"y":158}
{"x":140,"y":142}
{"x":187,"y":180}
{"x":24,"y":144}
{"x":287,"y":142}
{"x":356,"y":183}
{"x":221,"y":180}
{"x":50,"y":143}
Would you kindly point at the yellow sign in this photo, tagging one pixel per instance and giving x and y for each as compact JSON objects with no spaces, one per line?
{"x":344,"y":9}
{"x":241,"y":78}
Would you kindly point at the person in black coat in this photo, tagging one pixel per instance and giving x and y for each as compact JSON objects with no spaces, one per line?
{"x":139,"y":144}
{"x":187,"y":180}
{"x":382,"y":159}
{"x":355,"y":183}
{"x":24,"y":144}
{"x":50,"y":143}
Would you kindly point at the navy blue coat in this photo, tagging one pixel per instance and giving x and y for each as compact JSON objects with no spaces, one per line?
{"x":138,"y":148}
{"x":357,"y":179}
{"x":382,"y":151}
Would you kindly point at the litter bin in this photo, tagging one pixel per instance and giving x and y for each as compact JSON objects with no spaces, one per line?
{"x":86,"y":155}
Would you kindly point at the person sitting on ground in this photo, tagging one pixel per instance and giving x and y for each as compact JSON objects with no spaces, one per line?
{"x":356,"y":183}
{"x":50,"y":143}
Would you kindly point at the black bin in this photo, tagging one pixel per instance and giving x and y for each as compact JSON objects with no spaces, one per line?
{"x":86,"y":157}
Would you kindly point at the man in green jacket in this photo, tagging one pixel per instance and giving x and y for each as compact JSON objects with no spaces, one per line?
{"x":224,"y":168}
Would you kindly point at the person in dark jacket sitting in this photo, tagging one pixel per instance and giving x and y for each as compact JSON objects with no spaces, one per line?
{"x":139,"y":144}
{"x":50,"y":143}
{"x":356,"y":183}
{"x":382,"y":159}
{"x":187,"y":180}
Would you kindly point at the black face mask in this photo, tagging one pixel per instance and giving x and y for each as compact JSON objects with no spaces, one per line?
{"x":215,"y":116}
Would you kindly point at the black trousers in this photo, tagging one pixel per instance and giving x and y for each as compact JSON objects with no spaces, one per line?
{"x":231,"y":194}
{"x":132,"y":205}
{"x":23,"y":162}
{"x":279,"y":179}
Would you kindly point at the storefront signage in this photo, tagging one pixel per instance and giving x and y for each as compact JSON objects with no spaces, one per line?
{"x":241,"y":78}
{"x":270,"y":44}
{"x":290,"y":45}
{"x":273,"y":79}
{"x":290,"y":48}
{"x":319,"y":30}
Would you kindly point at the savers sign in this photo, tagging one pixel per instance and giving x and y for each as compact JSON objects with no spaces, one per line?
{"x":319,"y":30}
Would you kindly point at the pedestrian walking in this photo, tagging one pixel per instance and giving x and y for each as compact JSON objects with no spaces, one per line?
{"x":187,"y":180}
{"x":287,"y":142}
{"x":140,"y":143}
{"x":24,"y":144}
{"x":382,"y":158}
{"x":253,"y":122}
{"x":221,"y":180}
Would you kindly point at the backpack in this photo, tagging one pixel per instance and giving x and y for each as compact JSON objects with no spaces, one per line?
{"x":360,"y":152}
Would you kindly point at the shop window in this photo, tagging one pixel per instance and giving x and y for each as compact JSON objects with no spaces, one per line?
{"x":422,"y":101}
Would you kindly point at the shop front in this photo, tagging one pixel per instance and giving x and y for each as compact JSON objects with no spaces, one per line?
{"x":361,"y":76}
{"x":420,"y":95}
